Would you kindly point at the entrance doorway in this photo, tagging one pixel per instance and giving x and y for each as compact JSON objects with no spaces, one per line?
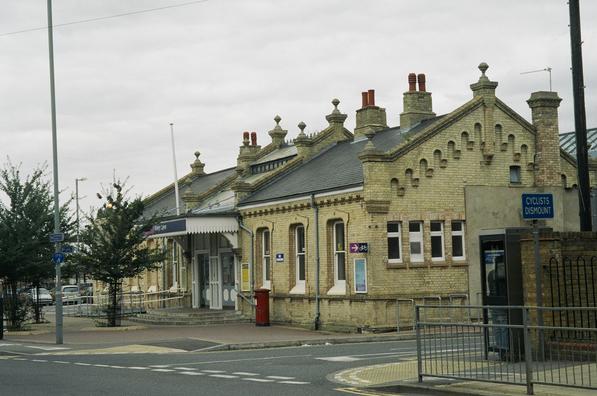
{"x":228,"y":291}
{"x":200,"y":282}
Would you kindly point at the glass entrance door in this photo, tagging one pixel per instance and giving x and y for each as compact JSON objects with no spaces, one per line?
{"x":228,"y":292}
{"x":201,"y":281}
{"x":215,"y":283}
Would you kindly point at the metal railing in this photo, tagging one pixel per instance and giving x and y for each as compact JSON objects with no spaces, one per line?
{"x":129,"y":303}
{"x":507,"y":346}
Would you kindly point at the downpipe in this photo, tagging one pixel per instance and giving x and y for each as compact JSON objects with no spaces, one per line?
{"x":251,"y":261}
{"x":317,"y":322}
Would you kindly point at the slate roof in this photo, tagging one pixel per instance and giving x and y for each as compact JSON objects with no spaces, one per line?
{"x":164,"y":202}
{"x":335,"y":168}
{"x":568,"y":142}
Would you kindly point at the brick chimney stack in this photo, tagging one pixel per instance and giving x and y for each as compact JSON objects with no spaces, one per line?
{"x":416,"y":104}
{"x":369,"y":116}
{"x":544,"y":109}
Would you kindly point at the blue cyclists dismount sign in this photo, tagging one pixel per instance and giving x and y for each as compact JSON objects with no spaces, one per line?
{"x":537,"y":206}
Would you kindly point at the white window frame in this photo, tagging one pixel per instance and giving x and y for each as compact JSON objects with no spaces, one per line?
{"x":174,"y":265}
{"x":395,"y":234}
{"x":339,"y":284}
{"x":299,"y":287}
{"x":265,"y":257}
{"x":416,"y":236}
{"x":461,"y":234}
{"x":440,"y":234}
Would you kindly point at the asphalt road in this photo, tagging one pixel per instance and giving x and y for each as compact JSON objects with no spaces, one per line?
{"x":306,"y":370}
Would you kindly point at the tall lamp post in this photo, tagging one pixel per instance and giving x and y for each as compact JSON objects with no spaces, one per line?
{"x":57,"y":238}
{"x":77,"y":180}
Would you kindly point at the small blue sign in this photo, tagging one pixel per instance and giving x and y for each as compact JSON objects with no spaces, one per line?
{"x":67,"y":249}
{"x":279,"y":257}
{"x":359,"y":247}
{"x":58,"y":258}
{"x":537,"y":206}
{"x":58,"y":237}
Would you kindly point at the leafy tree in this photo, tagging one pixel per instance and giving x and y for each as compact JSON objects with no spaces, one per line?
{"x":26,"y":220}
{"x":113,"y":245}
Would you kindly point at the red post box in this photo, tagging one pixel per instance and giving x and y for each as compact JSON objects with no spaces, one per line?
{"x":262,"y":307}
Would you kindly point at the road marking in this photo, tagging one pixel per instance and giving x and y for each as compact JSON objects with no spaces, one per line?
{"x":190,"y":373}
{"x":19,"y":359}
{"x":293,"y":382}
{"x":4,"y":344}
{"x":244,"y":373}
{"x":257,"y":380}
{"x":368,"y":356}
{"x":61,"y":362}
{"x":47,"y":348}
{"x":83,"y":364}
{"x":39,"y":360}
{"x":356,"y":391}
{"x":138,"y":368}
{"x":223,"y":376}
{"x":185,"y":368}
{"x":213,"y":371}
{"x":339,"y":359}
{"x":279,"y":377}
{"x":161,"y":365}
{"x":116,"y":367}
{"x":100,"y":365}
{"x":163,"y":370}
{"x":236,"y":360}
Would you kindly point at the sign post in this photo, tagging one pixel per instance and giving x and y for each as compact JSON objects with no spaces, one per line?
{"x":534,"y":207}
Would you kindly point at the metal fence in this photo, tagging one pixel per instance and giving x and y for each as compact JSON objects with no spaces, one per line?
{"x":130,"y":303}
{"x":504,"y":344}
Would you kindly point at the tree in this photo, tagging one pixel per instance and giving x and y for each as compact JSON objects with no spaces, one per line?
{"x":113,"y":245}
{"x":26,"y":221}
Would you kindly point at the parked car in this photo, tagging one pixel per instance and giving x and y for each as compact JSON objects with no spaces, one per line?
{"x":71,"y":294}
{"x":45,"y":298}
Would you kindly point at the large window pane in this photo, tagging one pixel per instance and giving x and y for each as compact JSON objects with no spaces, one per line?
{"x":457,"y":250}
{"x":393,"y":248}
{"x":415,"y":248}
{"x":301,"y":267}
{"x":340,"y":257}
{"x":339,"y":236}
{"x":436,"y":246}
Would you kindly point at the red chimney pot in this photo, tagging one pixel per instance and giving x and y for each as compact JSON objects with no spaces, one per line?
{"x":422,"y":82}
{"x":365,"y":100}
{"x":412,"y":82}
{"x":371,"y":97}
{"x":253,"y":138}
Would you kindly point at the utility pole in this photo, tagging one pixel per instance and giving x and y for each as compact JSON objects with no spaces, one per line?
{"x":59,"y":339}
{"x":580,"y":121}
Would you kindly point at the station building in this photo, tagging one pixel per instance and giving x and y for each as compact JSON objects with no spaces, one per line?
{"x":342,"y":227}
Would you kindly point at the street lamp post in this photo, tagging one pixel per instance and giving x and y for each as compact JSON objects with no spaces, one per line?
{"x":59,"y":339}
{"x":77,"y":180}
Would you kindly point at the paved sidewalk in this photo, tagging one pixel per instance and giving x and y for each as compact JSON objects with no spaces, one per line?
{"x":81,"y":334}
{"x":401,"y":378}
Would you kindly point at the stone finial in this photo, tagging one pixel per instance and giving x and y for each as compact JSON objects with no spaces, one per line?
{"x":197,"y":166}
{"x":484,"y":87}
{"x":278,"y":134}
{"x":336,"y":117}
{"x":302,"y":127}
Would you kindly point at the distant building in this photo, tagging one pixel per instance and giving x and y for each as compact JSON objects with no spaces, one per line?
{"x":338,"y":225}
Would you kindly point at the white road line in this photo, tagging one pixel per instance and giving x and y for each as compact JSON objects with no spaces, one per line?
{"x":280,"y":377}
{"x":4,"y":344}
{"x":213,"y":371}
{"x":163,"y":370}
{"x":39,"y":360}
{"x":190,"y":373}
{"x":244,"y":373}
{"x":236,"y":360}
{"x":83,"y":364}
{"x":116,"y":367}
{"x":223,"y":376}
{"x":100,"y":365}
{"x":61,"y":362}
{"x":185,"y":368}
{"x":19,"y":359}
{"x":257,"y":380}
{"x":293,"y":382}
{"x":138,"y":368}
{"x":161,"y":365}
{"x":47,"y":348}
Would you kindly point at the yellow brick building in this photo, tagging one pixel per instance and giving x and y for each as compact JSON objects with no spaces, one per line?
{"x":345,"y":227}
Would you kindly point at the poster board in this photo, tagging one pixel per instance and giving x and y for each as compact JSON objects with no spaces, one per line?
{"x":360,"y":275}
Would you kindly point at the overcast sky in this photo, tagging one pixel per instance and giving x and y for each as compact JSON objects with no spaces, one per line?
{"x":220,"y":67}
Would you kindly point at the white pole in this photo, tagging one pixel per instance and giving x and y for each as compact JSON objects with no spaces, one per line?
{"x":177,"y":197}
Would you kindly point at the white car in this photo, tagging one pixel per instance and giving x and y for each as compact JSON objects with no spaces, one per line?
{"x":45,"y":298}
{"x":71,"y":294}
